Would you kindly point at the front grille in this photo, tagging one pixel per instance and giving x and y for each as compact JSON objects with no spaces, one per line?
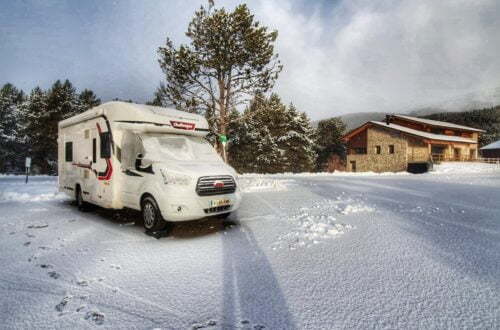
{"x":206,"y":185}
{"x":217,"y":209}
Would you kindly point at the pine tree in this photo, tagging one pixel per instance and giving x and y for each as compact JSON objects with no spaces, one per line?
{"x":87,"y":100}
{"x":272,"y":138}
{"x":298,"y":142}
{"x":35,"y":113}
{"x":329,"y":141}
{"x":10,"y":100}
{"x":230,"y":57}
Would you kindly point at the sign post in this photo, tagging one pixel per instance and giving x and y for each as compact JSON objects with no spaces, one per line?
{"x":27,"y":165}
{"x":223,"y":140}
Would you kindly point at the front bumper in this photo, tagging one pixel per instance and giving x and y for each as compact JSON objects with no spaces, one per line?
{"x":190,"y":206}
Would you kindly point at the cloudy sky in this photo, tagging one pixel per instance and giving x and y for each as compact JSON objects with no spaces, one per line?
{"x":339,"y":56}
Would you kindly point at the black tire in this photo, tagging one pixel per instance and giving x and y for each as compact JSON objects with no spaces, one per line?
{"x":151,"y":215}
{"x":80,"y":203}
{"x":224,"y":216}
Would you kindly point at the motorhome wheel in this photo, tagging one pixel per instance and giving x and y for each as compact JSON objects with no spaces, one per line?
{"x":151,"y":216}
{"x":82,"y":205}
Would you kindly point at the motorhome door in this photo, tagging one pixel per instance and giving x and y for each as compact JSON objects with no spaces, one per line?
{"x":133,"y":178}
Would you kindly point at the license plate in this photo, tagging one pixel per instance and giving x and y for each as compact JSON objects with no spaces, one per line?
{"x":219,"y":202}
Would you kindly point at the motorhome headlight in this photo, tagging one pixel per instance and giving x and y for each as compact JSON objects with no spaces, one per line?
{"x":175,"y":178}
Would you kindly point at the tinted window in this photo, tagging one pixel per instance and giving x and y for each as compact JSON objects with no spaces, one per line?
{"x":105,"y":145}
{"x":94,"y":150}
{"x":69,"y":151}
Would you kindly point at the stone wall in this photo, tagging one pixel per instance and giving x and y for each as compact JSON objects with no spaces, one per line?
{"x":418,"y":151}
{"x":385,"y":161}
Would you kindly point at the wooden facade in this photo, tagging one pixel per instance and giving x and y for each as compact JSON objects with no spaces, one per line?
{"x":404,"y":141}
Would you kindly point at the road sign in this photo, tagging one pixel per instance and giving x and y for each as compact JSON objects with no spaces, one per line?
{"x":27,"y":164}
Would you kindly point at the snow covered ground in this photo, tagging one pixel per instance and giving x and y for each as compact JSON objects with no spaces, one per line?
{"x":304,"y":252}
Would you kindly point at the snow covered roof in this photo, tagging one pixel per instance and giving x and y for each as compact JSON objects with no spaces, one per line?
{"x":494,"y":145}
{"x":426,"y":135}
{"x":439,"y":123}
{"x":141,"y":115}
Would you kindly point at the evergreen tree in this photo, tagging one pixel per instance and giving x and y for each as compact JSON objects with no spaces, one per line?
{"x":10,"y":100}
{"x":271,"y":138}
{"x":329,"y":141}
{"x":35,"y":111}
{"x":87,"y":100}
{"x":298,"y":142}
{"x":230,"y":57}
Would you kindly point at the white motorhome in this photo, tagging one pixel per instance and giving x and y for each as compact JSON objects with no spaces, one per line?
{"x":152,"y":159}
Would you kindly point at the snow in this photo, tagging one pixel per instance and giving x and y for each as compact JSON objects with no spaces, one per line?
{"x":304,"y":252}
{"x":494,"y":145}
{"x":465,"y":167}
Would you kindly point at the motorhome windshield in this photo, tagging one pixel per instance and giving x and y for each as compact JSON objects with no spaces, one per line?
{"x":178,"y":147}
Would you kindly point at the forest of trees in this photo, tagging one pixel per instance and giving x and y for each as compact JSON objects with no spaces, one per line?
{"x":28,"y":123}
{"x":267,"y":137}
{"x":487,"y":119}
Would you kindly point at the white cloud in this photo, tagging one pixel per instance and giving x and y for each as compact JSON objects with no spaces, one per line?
{"x":384,"y":56}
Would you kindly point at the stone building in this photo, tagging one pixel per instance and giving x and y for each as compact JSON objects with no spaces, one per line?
{"x":404,"y":143}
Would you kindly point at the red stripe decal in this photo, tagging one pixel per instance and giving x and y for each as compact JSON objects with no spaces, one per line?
{"x":109,"y":167}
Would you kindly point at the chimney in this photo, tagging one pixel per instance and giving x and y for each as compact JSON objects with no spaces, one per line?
{"x":388,"y":119}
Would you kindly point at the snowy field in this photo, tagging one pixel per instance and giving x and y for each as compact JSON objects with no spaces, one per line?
{"x":303,"y":252}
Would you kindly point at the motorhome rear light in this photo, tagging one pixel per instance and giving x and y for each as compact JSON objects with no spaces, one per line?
{"x":182,"y":125}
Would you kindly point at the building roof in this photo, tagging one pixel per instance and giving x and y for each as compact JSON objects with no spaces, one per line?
{"x":426,"y":135}
{"x":439,"y":123}
{"x":494,"y":145}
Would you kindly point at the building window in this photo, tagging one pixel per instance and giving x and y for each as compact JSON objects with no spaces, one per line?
{"x":391,"y":149}
{"x":94,"y":150}
{"x":105,"y":145}
{"x":378,"y":150}
{"x":69,"y":151}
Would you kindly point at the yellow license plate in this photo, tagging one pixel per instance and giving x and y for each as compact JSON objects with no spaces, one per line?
{"x":219,"y":202}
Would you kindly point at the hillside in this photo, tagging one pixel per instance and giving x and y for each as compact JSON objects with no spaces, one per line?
{"x":354,"y":120}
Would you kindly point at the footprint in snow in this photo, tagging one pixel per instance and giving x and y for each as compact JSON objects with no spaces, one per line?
{"x":208,"y":324}
{"x":30,"y":235}
{"x":60,"y":307}
{"x":38,"y":226}
{"x":54,"y":275}
{"x":27,"y":243}
{"x":45,"y":266}
{"x":115,"y":266}
{"x":83,"y":283}
{"x":95,"y":317}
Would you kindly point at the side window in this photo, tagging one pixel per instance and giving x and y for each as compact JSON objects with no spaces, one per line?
{"x":94,"y":150}
{"x":105,"y":145}
{"x":391,"y":149}
{"x":131,"y":145}
{"x":69,"y":151}
{"x":378,"y":150}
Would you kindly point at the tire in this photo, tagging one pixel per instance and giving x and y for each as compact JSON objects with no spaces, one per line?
{"x":224,"y":216}
{"x":151,"y":216}
{"x":80,"y":203}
